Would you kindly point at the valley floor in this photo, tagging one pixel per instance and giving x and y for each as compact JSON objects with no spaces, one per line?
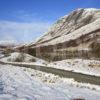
{"x":27,"y":84}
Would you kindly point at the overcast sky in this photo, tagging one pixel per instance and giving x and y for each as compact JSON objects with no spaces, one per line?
{"x":26,"y":20}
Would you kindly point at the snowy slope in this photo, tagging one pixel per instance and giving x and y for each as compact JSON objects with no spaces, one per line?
{"x":21,"y":57}
{"x":76,"y":34}
{"x":72,"y":22}
{"x":26,"y":84}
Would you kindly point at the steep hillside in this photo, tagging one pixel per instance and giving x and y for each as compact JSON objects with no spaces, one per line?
{"x":72,"y":22}
{"x":74,"y":35}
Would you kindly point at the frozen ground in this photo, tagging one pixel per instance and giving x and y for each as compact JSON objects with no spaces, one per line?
{"x":27,"y":84}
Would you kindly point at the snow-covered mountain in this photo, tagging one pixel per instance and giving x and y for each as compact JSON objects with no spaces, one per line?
{"x":74,"y":35}
{"x":72,"y":24}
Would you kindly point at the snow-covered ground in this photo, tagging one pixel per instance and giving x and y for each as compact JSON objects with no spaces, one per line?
{"x":91,"y":67}
{"x":27,"y":84}
{"x":22,"y":57}
{"x":1,"y":55}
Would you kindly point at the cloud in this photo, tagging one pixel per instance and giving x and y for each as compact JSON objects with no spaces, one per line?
{"x":25,"y":16}
{"x":22,"y":31}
